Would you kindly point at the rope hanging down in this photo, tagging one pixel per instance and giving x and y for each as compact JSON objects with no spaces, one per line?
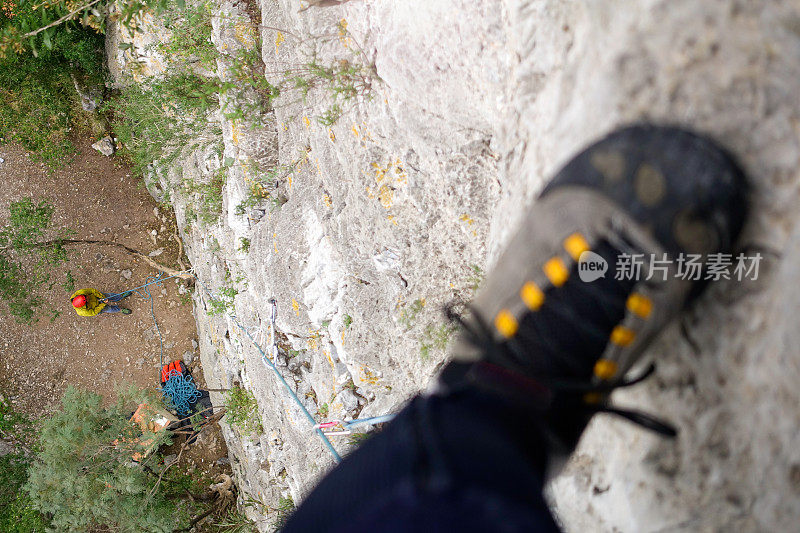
{"x":271,"y":365}
{"x":177,"y":391}
{"x":182,"y":392}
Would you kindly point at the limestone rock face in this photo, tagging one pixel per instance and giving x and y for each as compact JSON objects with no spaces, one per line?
{"x":397,"y":207}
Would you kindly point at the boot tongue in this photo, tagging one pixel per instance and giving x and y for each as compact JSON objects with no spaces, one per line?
{"x":565,"y":338}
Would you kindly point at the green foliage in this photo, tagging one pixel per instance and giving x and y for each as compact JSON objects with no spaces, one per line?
{"x":436,"y":337}
{"x":408,"y":316}
{"x":158,"y":121}
{"x":34,"y":27}
{"x":17,"y":514}
{"x":37,"y":96}
{"x":83,"y":475}
{"x":244,"y":244}
{"x":476,"y":277}
{"x":357,"y":439}
{"x":223,"y":302}
{"x":323,"y":410}
{"x":235,"y":522}
{"x":343,"y":81}
{"x":209,"y":195}
{"x":242,"y":410}
{"x":29,"y":250}
{"x":69,"y":283}
{"x":347,"y":321}
{"x":248,"y":71}
{"x":191,"y":35}
{"x":13,"y":425}
{"x":284,"y":510}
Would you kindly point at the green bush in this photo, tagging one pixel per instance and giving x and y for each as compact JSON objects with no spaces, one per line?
{"x":242,"y":410}
{"x":29,"y":250}
{"x":157,"y":121}
{"x":283,"y":512}
{"x":191,"y":35}
{"x":37,"y":96}
{"x":83,"y":475}
{"x":17,"y":513}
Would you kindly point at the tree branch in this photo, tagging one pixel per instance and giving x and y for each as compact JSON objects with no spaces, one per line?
{"x":158,"y":266}
{"x":61,"y":20}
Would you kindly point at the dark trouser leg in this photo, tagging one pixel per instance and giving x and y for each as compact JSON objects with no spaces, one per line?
{"x":466,"y":462}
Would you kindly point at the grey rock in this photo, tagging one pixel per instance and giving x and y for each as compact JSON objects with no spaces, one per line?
{"x":105,"y":146}
{"x":257,"y":214}
{"x":156,"y":253}
{"x":5,"y":448}
{"x":348,"y":399}
{"x":187,"y":357}
{"x":127,"y":274}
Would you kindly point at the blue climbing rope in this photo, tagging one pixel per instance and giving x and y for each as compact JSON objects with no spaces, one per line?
{"x":270,"y":364}
{"x":180,"y":392}
{"x":157,"y":279}
{"x":370,"y":420}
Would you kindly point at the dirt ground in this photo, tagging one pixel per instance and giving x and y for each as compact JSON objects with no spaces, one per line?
{"x":99,"y":198}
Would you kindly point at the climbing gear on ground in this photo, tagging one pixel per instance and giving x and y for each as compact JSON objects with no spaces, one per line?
{"x":174,"y":366}
{"x":178,"y":388}
{"x":547,"y":329}
{"x":79,"y":301}
{"x":125,"y":311}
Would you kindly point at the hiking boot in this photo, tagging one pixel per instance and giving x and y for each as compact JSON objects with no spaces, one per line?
{"x":125,"y":311}
{"x":557,"y":324}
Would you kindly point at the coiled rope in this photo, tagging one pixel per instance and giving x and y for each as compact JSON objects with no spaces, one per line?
{"x":181,"y":392}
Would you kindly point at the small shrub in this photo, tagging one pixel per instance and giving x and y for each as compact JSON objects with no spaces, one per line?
{"x":342,"y":81}
{"x":242,"y":410}
{"x":284,"y":511}
{"x":210,"y":196}
{"x":158,"y":121}
{"x":347,"y":321}
{"x":357,"y":439}
{"x":191,"y":35}
{"x":234,"y":522}
{"x":223,"y":302}
{"x":476,"y":277}
{"x":436,"y":337}
{"x":82,"y":474}
{"x":408,"y":316}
